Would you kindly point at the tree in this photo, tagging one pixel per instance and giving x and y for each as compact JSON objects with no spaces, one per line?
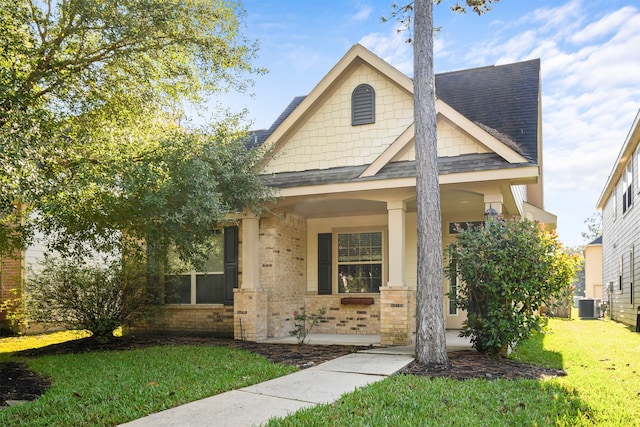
{"x":594,"y":227}
{"x":507,"y":271}
{"x":91,"y":95}
{"x":431,"y":345}
{"x":430,"y":329}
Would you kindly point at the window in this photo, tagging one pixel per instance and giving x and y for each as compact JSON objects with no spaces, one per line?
{"x":360,"y":262}
{"x":627,"y":187}
{"x":211,"y":286}
{"x":363,"y":105}
{"x":453,"y":285}
{"x":620,"y":273}
{"x":631,"y":274}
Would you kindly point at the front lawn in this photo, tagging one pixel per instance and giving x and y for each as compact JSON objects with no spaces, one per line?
{"x":602,"y":388}
{"x":109,"y":388}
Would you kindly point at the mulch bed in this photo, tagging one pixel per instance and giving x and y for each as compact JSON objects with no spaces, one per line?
{"x":17,"y":382}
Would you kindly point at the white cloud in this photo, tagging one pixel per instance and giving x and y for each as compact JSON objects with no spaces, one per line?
{"x":602,"y":27}
{"x":392,"y":47}
{"x":362,"y":14}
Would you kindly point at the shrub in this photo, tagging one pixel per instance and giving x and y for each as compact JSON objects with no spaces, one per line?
{"x":98,"y":298}
{"x":304,"y":322}
{"x":508,"y":270}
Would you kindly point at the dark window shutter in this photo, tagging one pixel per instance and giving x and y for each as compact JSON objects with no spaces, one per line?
{"x":324,"y":263}
{"x":230,"y":263}
{"x":363,"y":105}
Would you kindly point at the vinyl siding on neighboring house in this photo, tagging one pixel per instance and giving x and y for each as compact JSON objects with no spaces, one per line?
{"x":621,"y":250}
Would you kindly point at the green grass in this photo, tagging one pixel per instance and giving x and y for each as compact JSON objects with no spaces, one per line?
{"x":108,"y":388}
{"x":602,"y":388}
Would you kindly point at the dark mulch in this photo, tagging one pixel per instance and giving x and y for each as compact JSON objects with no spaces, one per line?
{"x":17,"y":382}
{"x":471,"y":364}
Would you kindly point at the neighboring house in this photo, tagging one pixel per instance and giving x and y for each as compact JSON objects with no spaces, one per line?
{"x":593,"y":270}
{"x":14,"y":271}
{"x":621,"y":232}
{"x":342,"y":233}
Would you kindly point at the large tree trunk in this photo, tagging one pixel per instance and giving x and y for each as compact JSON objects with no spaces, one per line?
{"x":430,"y":339}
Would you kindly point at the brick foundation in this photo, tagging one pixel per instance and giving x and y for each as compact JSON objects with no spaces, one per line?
{"x":250,"y":314}
{"x":397,"y":316}
{"x":215,"y":320}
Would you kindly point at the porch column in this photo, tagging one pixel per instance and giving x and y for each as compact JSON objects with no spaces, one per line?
{"x":250,"y":252}
{"x":397,"y":301}
{"x":396,"y":242}
{"x":250,"y":302}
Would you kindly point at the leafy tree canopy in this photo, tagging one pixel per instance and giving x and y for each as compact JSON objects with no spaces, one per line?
{"x":91,"y":94}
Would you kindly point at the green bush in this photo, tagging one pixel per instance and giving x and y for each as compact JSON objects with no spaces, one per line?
{"x":508,"y":270}
{"x":98,"y":298}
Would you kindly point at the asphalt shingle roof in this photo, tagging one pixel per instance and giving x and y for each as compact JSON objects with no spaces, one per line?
{"x":405,"y":169}
{"x":503,"y":97}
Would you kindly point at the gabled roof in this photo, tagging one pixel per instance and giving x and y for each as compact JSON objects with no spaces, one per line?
{"x":504,"y":98}
{"x":630,"y":144}
{"x":500,"y":101}
{"x":596,"y":241}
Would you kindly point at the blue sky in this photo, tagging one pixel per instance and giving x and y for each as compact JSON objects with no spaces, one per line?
{"x":589,"y":51}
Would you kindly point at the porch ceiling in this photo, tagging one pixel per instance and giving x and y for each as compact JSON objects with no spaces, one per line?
{"x":325,"y":208}
{"x":454,"y":203}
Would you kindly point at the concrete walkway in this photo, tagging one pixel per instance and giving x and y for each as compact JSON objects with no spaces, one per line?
{"x":324,"y":383}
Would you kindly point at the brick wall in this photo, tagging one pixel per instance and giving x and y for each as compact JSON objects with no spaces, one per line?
{"x":398,"y":316}
{"x":216,"y":320}
{"x":11,"y":278}
{"x":344,"y":318}
{"x":283,"y":269}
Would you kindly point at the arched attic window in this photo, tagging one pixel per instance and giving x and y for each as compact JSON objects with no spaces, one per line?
{"x":363,"y":105}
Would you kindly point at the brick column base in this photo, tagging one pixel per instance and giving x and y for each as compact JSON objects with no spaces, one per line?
{"x":250,"y":314}
{"x":397,"y":315}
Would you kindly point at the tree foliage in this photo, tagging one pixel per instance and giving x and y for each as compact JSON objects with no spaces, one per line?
{"x":507,"y":271}
{"x":91,"y":96}
{"x":594,"y":227}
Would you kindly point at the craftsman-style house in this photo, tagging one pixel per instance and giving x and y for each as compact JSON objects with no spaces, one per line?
{"x":342,"y":234}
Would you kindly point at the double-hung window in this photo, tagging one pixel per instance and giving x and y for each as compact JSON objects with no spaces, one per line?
{"x":360,"y":260}
{"x":215,"y":283}
{"x":627,"y":187}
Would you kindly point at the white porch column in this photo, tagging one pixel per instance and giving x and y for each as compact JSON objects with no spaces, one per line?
{"x":397,"y":210}
{"x":250,"y":252}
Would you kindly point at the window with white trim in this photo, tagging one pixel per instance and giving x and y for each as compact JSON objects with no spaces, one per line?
{"x":360,"y":259}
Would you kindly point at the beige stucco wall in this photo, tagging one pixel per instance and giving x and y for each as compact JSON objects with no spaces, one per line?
{"x":327,"y":138}
{"x":593,"y":271}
